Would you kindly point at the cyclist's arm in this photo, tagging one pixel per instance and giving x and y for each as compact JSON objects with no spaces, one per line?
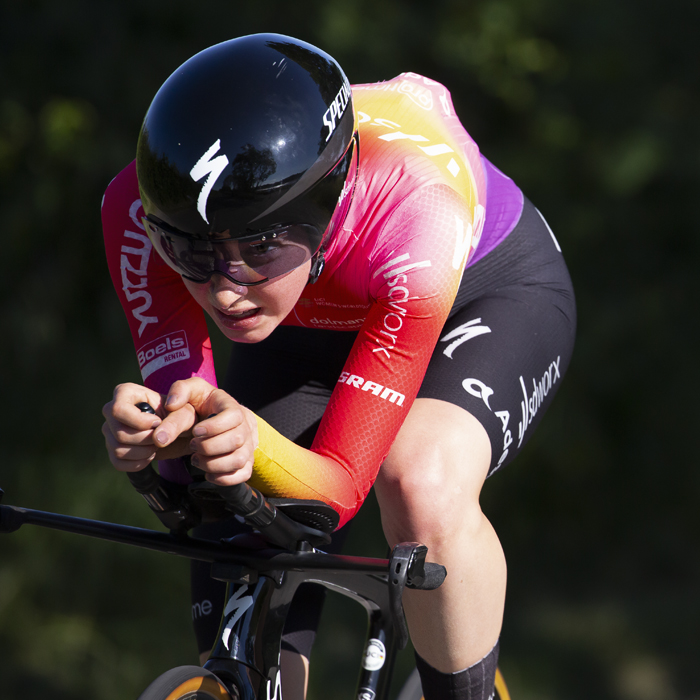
{"x":167,"y":325}
{"x":414,"y":282}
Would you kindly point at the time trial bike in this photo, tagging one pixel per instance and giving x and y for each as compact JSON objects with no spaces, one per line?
{"x":263,"y":570}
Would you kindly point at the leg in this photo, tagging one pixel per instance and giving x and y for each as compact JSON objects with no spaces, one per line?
{"x":428,"y":491}
{"x":295,"y":675}
{"x":493,"y":375}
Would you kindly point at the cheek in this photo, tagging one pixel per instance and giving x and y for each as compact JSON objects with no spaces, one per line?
{"x":290,"y":288}
{"x":197,"y":291}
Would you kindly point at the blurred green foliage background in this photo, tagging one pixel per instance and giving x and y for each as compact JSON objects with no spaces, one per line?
{"x":593,"y":108}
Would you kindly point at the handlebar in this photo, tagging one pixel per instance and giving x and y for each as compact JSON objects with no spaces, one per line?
{"x":180,"y":508}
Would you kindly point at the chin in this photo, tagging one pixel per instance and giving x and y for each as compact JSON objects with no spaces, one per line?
{"x":247,"y":336}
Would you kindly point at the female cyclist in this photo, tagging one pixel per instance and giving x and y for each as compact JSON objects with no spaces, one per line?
{"x":401,"y":316}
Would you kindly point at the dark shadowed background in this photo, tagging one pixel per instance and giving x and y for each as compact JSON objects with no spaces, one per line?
{"x":593,"y":108}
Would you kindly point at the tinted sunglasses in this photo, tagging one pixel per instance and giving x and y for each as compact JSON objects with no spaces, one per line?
{"x":248,"y":260}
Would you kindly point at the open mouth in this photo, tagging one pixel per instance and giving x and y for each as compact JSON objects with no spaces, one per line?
{"x":238,"y":319}
{"x":237,"y":316}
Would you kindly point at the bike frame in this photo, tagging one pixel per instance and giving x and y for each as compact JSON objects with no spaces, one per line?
{"x":256,"y":609}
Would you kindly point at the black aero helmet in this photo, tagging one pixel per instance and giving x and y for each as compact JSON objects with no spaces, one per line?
{"x":253,"y":140}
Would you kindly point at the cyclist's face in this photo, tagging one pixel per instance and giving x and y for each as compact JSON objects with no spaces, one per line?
{"x":249,"y":314}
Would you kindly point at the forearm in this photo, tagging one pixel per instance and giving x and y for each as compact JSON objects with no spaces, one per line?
{"x":282,"y":468}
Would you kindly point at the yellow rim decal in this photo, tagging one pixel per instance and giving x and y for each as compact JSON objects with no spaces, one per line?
{"x":501,"y":686}
{"x":206,"y":685}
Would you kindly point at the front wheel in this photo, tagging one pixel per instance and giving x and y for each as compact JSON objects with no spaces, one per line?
{"x":412,"y":690}
{"x":186,"y":683}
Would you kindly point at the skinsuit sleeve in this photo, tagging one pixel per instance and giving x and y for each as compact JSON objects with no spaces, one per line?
{"x":167,"y":325}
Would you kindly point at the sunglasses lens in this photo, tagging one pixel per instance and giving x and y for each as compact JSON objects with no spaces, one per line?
{"x":248,"y":260}
{"x":280,"y":253}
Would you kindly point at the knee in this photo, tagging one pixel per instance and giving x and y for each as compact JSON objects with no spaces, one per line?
{"x":428,"y":487}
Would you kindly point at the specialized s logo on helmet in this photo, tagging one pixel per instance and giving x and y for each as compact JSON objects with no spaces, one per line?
{"x":207,"y":165}
{"x":337,"y":109}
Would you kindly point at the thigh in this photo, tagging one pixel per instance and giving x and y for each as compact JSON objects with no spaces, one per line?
{"x":508,"y":342}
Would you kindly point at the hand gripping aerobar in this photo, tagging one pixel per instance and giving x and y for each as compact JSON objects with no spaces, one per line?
{"x":181,"y":508}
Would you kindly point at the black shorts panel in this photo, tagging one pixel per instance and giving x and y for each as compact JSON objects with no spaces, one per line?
{"x":509,"y":338}
{"x":288,"y":378}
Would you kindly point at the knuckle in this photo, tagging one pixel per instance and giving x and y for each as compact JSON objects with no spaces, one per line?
{"x":204,"y":450}
{"x":122,"y":453}
{"x":242,"y":459}
{"x":246,"y":470}
{"x":220,"y":394}
{"x":238,"y":415}
{"x":121,"y":436}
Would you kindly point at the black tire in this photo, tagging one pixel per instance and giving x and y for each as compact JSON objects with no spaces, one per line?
{"x":412,"y":689}
{"x":187,"y":683}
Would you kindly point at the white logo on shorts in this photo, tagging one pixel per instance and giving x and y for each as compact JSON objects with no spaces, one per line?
{"x":463,"y":333}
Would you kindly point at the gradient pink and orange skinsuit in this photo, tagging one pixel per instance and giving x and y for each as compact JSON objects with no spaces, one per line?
{"x":426,"y":207}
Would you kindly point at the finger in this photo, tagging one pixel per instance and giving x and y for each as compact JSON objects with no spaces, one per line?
{"x":128,"y":465}
{"x":207,"y":401}
{"x":222,"y":444}
{"x":224,"y":463}
{"x":180,"y":447}
{"x":127,"y":457}
{"x":122,"y":409}
{"x":133,"y":394}
{"x":174,"y":425}
{"x":128,"y":424}
{"x":228,"y":418}
{"x":194,"y":390}
{"x":227,"y":414}
{"x":135,"y":453}
{"x":230,"y":478}
{"x":126,"y":435}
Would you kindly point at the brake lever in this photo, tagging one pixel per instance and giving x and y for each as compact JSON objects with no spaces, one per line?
{"x":408,"y":569}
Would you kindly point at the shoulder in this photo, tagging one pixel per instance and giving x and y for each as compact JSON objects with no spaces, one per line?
{"x":409,"y":132}
{"x":412,"y":107}
{"x":122,"y":193}
{"x":432,"y":223}
{"x":424,"y":93}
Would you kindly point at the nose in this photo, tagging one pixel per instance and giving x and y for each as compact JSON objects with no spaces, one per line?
{"x":225,"y":293}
